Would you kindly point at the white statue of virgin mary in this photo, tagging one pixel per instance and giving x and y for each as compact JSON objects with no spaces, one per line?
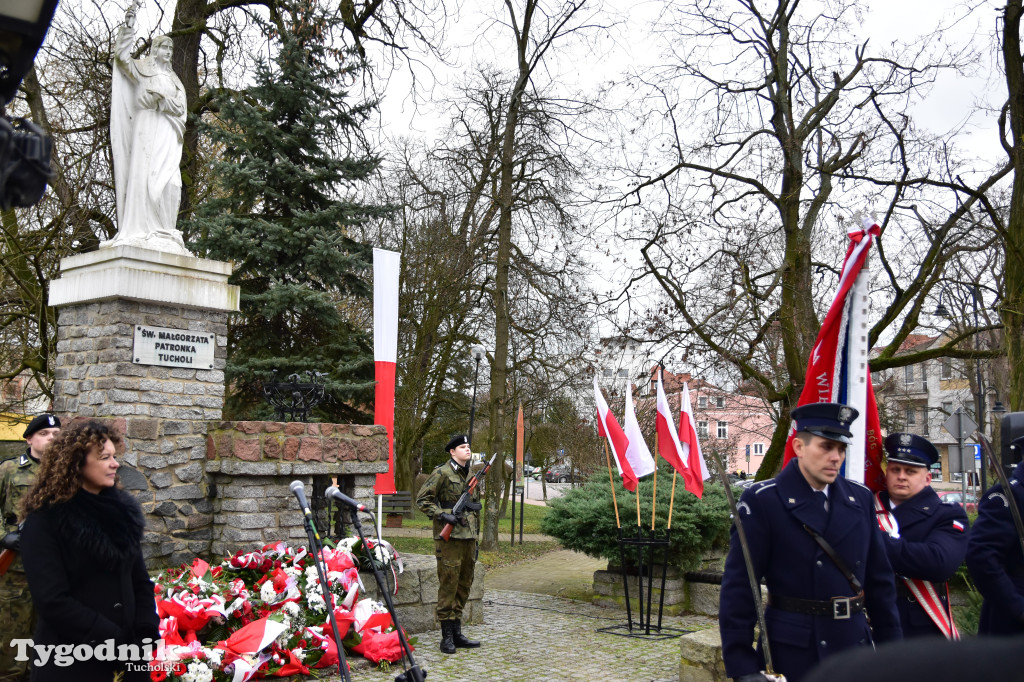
{"x":147,"y":125}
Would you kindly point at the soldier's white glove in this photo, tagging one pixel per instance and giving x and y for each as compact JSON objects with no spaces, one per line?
{"x":895,"y":532}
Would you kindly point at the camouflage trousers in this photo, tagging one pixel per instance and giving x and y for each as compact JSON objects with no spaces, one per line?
{"x":455,"y":562}
{"x":17,"y":621}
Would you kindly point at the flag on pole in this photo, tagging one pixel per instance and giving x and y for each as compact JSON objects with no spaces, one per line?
{"x":697,"y":469}
{"x":637,"y":452}
{"x":608,"y":428}
{"x":668,"y":438}
{"x":385,"y":355}
{"x":837,"y":371}
{"x":520,"y":434}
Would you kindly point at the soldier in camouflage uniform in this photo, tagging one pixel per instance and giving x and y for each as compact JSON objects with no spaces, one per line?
{"x":17,"y":617}
{"x":456,"y":558}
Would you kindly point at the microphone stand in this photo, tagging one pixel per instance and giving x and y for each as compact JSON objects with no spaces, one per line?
{"x":412,"y":672}
{"x":317,"y":549}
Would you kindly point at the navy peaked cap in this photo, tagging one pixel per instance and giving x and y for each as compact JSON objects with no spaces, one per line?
{"x":908,"y":448}
{"x":828,"y":420}
{"x":456,"y":441}
{"x":43,"y":421}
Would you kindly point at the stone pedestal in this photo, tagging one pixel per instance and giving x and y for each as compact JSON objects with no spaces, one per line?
{"x":163,"y":411}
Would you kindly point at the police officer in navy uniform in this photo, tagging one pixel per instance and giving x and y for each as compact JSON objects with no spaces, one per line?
{"x":816,"y":608}
{"x":994,"y":555}
{"x":927,"y":540}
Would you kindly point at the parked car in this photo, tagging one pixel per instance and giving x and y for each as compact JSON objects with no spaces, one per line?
{"x":955,"y":497}
{"x":559,"y":475}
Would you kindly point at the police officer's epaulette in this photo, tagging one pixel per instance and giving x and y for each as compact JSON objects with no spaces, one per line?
{"x":850,"y":480}
{"x":763,"y":485}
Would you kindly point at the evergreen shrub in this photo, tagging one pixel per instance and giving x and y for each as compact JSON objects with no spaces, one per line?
{"x":584,"y":519}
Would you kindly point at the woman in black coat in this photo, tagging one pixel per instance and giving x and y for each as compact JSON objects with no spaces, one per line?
{"x":81,"y":548}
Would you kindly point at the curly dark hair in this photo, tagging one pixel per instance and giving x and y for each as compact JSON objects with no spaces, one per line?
{"x":60,"y":472}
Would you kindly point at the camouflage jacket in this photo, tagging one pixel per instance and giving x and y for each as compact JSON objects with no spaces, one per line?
{"x":440,"y":492}
{"x":16,"y":477}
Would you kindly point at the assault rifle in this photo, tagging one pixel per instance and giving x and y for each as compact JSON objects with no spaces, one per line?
{"x":467,"y":497}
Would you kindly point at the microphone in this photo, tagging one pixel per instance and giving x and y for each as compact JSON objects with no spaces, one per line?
{"x":299,"y":490}
{"x":336,"y":494}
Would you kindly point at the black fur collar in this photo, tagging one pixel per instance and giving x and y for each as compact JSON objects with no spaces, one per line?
{"x":105,"y":528}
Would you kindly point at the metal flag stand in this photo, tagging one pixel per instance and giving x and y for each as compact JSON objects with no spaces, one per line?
{"x":644,"y":544}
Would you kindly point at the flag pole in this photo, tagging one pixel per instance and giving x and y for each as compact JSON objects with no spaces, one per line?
{"x":638,"y":506}
{"x":672,"y":500}
{"x":611,"y":483}
{"x":654,"y":495}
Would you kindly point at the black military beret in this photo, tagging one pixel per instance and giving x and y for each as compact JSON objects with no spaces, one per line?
{"x":455,"y":442}
{"x":43,"y":421}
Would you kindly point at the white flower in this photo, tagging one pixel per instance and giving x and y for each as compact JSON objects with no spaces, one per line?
{"x":267,"y":592}
{"x":316,"y":601}
{"x":291,"y":609}
{"x":197,"y":671}
{"x":347,"y":544}
{"x":299,"y":654}
{"x":214,"y":656}
{"x":382,"y":555}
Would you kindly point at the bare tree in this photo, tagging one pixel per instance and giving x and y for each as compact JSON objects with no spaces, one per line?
{"x":765,"y":153}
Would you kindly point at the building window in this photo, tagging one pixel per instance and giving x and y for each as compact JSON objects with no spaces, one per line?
{"x":607,"y":373}
{"x":723,"y":429}
{"x":911,"y":416}
{"x":720,"y":401}
{"x":908,"y":374}
{"x":702,"y":402}
{"x":758,"y":449}
{"x":947,"y":407}
{"x":945,"y":369}
{"x":623,"y":373}
{"x":702,"y":429}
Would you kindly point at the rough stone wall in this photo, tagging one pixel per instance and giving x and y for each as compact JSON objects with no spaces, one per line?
{"x":162,"y":411}
{"x":251,"y":465}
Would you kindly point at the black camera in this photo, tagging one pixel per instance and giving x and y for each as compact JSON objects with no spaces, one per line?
{"x":24,"y":163}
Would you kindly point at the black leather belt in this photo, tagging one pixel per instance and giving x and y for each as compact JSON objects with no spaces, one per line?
{"x":836,"y":608}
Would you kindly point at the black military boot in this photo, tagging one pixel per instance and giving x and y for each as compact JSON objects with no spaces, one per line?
{"x":460,"y":641}
{"x":447,"y":632}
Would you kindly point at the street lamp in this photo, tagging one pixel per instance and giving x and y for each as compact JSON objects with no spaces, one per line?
{"x":979,"y":397}
{"x":478,"y":353}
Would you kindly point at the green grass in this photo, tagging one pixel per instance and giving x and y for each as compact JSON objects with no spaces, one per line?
{"x":532,"y":514}
{"x":506,"y":555}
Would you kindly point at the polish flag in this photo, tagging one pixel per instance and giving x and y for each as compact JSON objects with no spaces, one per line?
{"x":668,"y":438}
{"x":608,"y":428}
{"x":697,"y":469}
{"x":637,"y":452}
{"x":385,"y":355}
{"x":252,"y":638}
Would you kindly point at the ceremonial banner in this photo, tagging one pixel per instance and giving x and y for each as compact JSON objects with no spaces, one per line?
{"x":608,"y":428}
{"x":696,"y":469}
{"x":837,"y":371}
{"x":385,"y":354}
{"x":669,"y":446}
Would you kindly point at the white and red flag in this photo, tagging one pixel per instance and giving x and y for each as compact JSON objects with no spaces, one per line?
{"x":637,"y":452}
{"x":386,"y":267}
{"x":669,"y":446}
{"x":608,"y":428}
{"x":837,"y":371}
{"x":697,"y":469}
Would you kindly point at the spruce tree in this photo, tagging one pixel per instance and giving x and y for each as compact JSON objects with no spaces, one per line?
{"x":283,"y":208}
